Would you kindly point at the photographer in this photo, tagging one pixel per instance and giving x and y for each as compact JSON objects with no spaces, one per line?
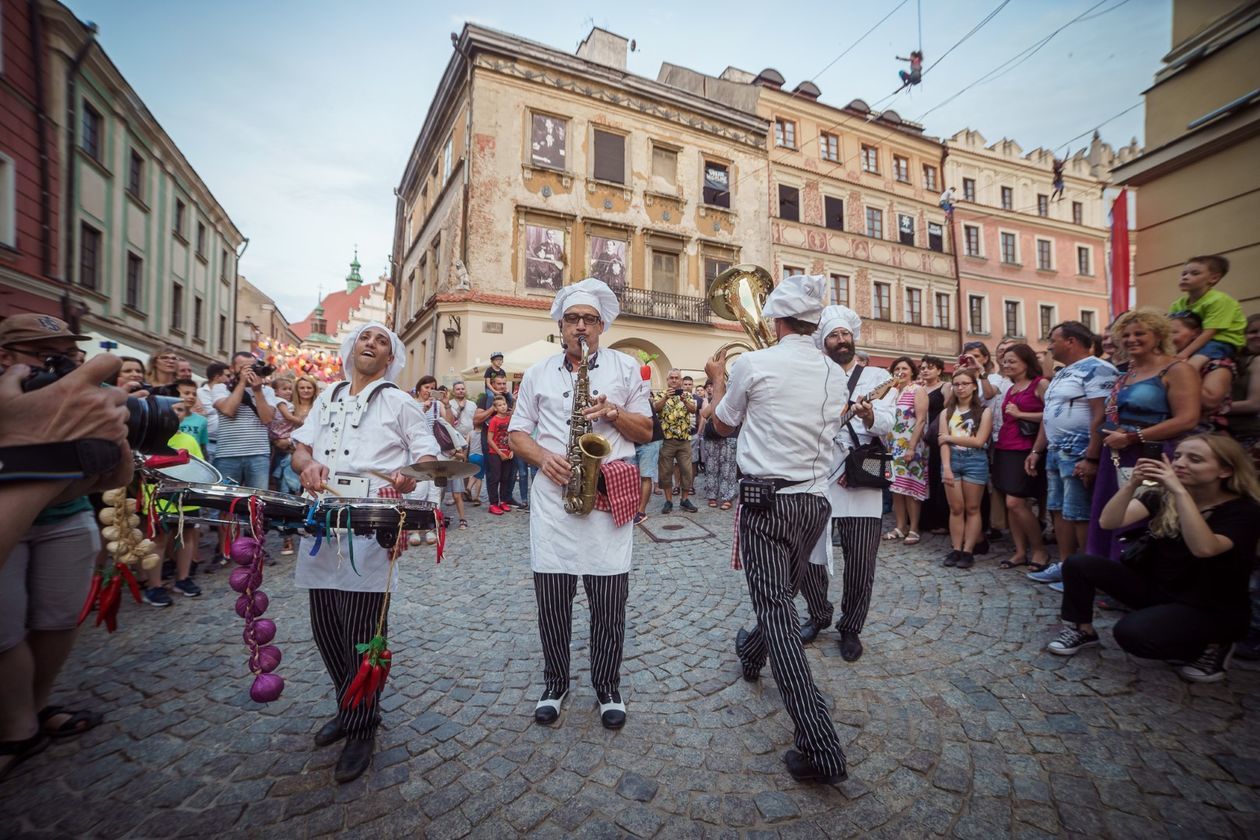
{"x":245,"y":407}
{"x":1186,"y":578}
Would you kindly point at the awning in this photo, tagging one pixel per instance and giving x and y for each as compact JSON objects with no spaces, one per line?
{"x":519,"y":360}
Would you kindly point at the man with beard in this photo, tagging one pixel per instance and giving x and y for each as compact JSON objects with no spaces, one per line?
{"x":855,"y":511}
{"x":362,"y":428}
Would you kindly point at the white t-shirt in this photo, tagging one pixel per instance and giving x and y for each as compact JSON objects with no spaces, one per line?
{"x":1067,"y":414}
{"x":212,"y":416}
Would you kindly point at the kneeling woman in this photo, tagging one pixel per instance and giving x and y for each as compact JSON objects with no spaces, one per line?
{"x":1186,"y":579}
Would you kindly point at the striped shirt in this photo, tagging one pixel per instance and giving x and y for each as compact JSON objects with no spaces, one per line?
{"x":243,"y":434}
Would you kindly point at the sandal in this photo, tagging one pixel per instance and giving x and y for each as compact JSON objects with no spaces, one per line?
{"x":19,"y":751}
{"x":1038,"y":567}
{"x":912,"y":538}
{"x":894,"y":534}
{"x":463,"y":524}
{"x":726,"y":506}
{"x":79,"y":722}
{"x":1007,"y":564}
{"x":476,"y":502}
{"x":713,"y":503}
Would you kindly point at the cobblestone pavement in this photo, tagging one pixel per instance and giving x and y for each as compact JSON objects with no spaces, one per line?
{"x":956,"y":722}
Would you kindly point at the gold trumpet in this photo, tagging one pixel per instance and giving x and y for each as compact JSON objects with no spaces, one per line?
{"x":738,"y":294}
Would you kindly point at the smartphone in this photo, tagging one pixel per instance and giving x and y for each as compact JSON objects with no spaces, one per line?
{"x":1154,"y":451}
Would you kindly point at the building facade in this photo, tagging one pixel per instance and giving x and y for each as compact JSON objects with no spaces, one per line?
{"x":1028,"y":258}
{"x":1198,"y":176}
{"x":259,"y":321}
{"x":345,"y":310}
{"x":536,"y":168}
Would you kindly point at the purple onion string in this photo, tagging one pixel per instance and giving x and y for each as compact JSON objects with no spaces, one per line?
{"x":249,"y":554}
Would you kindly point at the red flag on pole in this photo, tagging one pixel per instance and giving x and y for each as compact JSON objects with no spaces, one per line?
{"x":1120,"y":254}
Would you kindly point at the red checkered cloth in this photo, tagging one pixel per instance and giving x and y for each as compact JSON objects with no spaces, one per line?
{"x":622,"y":499}
{"x":388,"y":491}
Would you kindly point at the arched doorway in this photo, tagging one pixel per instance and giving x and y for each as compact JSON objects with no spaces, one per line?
{"x":660,"y":365}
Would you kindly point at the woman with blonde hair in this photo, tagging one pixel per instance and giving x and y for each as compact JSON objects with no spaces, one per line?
{"x":163,"y":370}
{"x":1186,"y":577}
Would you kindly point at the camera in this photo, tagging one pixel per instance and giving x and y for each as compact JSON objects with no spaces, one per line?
{"x":261,"y":369}
{"x":150,"y":420}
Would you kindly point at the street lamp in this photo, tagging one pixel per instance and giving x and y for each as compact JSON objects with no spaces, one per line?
{"x":451,"y":331}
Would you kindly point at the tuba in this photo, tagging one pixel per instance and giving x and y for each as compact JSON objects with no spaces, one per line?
{"x":738,"y":294}
{"x":586,"y":450}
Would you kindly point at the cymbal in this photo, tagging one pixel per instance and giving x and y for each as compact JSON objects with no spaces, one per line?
{"x":439,"y":470}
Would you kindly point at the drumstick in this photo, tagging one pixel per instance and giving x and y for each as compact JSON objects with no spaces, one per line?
{"x":331,"y":490}
{"x":388,"y":479}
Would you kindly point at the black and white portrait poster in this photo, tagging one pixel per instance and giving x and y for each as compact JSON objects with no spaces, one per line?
{"x":544,"y":258}
{"x":607,"y":260}
{"x":546,"y":141}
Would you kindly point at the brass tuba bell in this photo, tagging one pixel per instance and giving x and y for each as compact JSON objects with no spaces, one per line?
{"x":738,"y":294}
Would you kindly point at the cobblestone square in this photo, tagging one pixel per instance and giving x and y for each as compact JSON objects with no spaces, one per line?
{"x":955,"y":722}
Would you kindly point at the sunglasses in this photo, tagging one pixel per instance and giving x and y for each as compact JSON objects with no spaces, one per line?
{"x":589,"y":320}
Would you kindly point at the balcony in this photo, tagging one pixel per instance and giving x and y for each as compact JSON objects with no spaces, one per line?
{"x":665,"y":306}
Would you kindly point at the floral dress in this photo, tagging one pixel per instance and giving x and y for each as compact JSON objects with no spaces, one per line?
{"x":908,"y":479}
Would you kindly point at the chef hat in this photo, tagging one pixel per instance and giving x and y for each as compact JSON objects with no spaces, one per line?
{"x":589,"y":292}
{"x":837,"y":316}
{"x":396,"y":347}
{"x":800,"y":296}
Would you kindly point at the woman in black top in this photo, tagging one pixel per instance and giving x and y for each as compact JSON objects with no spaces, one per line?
{"x":1185,"y":575}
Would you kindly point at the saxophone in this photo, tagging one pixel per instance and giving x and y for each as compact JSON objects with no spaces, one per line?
{"x":586,"y":449}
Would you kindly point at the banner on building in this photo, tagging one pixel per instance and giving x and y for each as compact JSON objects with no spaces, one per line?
{"x":1119,"y":268}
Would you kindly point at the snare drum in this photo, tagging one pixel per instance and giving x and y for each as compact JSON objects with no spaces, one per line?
{"x":225,"y":504}
{"x":367,"y":516}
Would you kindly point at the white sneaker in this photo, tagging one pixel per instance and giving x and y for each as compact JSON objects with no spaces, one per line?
{"x":1210,"y":666}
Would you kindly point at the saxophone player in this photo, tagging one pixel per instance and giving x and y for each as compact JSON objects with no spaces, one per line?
{"x":559,"y":398}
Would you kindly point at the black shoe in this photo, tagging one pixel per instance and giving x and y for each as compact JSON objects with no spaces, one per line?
{"x":809,"y":632}
{"x":612,"y":712}
{"x":982,"y":547}
{"x":668,"y":507}
{"x":803,"y":770}
{"x":686,"y":505}
{"x":850,"y":646}
{"x":356,"y":757}
{"x":966,"y":560}
{"x":548,"y":708}
{"x":329,"y":733}
{"x":951,"y":559}
{"x":751,"y":672}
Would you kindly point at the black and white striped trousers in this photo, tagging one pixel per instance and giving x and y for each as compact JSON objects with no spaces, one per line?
{"x":607,"y":596}
{"x":858,"y":544}
{"x":775,"y":547}
{"x":339,"y":621}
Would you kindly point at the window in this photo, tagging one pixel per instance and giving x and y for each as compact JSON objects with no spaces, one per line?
{"x":905,"y":229}
{"x":969,"y":189}
{"x":665,"y":164}
{"x":870,"y":159}
{"x":882,"y":303}
{"x":1078,"y":213}
{"x":1045,"y":254}
{"x":875,"y":222}
{"x":135,"y":281}
{"x":1088,"y":318}
{"x":789,"y":203}
{"x":929,"y":177}
{"x":223,"y":265}
{"x":177,"y":306}
{"x":8,"y":201}
{"x":717,"y":184}
{"x":975,"y":314}
{"x":92,"y":124}
{"x":971,"y":237}
{"x":447,"y":152}
{"x":833,"y":212}
{"x":547,"y":141}
{"x":135,"y":174}
{"x":610,"y":157}
{"x":180,"y":214}
{"x":914,"y":306}
{"x":89,"y":257}
{"x":1008,"y":198}
{"x":1082,"y":260}
{"x":829,"y":147}
{"x":201,"y":240}
{"x":664,"y":271}
{"x":942,"y":310}
{"x":1043,"y":205}
{"x":840,"y":289}
{"x":222,"y":334}
{"x":1014,"y":323}
{"x":197,"y":312}
{"x":714,"y":266}
{"x":1048,"y":319}
{"x":785,"y":133}
{"x":791,"y":271}
{"x":901,"y":169}
{"x":1008,"y":248}
{"x":936,"y":237}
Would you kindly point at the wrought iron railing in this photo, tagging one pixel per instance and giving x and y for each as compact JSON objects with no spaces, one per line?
{"x":666,"y":306}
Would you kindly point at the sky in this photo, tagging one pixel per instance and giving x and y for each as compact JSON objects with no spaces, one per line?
{"x":300,"y":114}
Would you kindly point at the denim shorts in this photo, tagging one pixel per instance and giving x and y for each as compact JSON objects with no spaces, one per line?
{"x":1064,"y":491}
{"x":1217,"y":350}
{"x":969,"y":465}
{"x":647,"y":455}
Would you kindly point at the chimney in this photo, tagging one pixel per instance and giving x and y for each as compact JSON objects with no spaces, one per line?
{"x":603,"y":47}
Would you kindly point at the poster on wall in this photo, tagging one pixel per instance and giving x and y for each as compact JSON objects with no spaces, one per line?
{"x":546,"y":141}
{"x":607,"y":259}
{"x":544,"y":258}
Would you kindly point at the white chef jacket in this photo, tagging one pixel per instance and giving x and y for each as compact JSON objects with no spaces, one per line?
{"x":560,"y":542}
{"x":391,"y":434}
{"x":857,"y":501}
{"x":789,"y":398}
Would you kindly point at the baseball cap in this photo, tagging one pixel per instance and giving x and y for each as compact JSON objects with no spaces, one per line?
{"x":33,"y":326}
{"x":496,"y":355}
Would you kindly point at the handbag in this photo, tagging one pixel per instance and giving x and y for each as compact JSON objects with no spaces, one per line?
{"x":1028,"y":428}
{"x":867,"y":464}
{"x":1136,"y":545}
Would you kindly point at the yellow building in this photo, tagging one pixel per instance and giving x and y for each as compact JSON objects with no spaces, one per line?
{"x":1199,"y":175}
{"x":536,"y":168}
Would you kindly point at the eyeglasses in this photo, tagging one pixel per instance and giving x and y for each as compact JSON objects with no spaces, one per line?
{"x":589,"y":320}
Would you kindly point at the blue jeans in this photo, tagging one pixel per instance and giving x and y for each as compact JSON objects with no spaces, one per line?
{"x":245,"y":470}
{"x":969,"y":464}
{"x":1064,"y":491}
{"x":1217,"y":350}
{"x":524,"y":477}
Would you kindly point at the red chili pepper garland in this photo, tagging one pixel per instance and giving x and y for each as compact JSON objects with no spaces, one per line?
{"x":105,"y":594}
{"x":377,"y":657}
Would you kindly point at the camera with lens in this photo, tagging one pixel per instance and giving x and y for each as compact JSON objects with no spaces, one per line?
{"x":261,"y":369}
{"x":150,"y":420}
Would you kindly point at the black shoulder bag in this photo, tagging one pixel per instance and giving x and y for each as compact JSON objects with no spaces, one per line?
{"x":867,"y":464}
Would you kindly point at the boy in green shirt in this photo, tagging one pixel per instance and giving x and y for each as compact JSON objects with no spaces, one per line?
{"x":1222,"y":317}
{"x":194,"y":423}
